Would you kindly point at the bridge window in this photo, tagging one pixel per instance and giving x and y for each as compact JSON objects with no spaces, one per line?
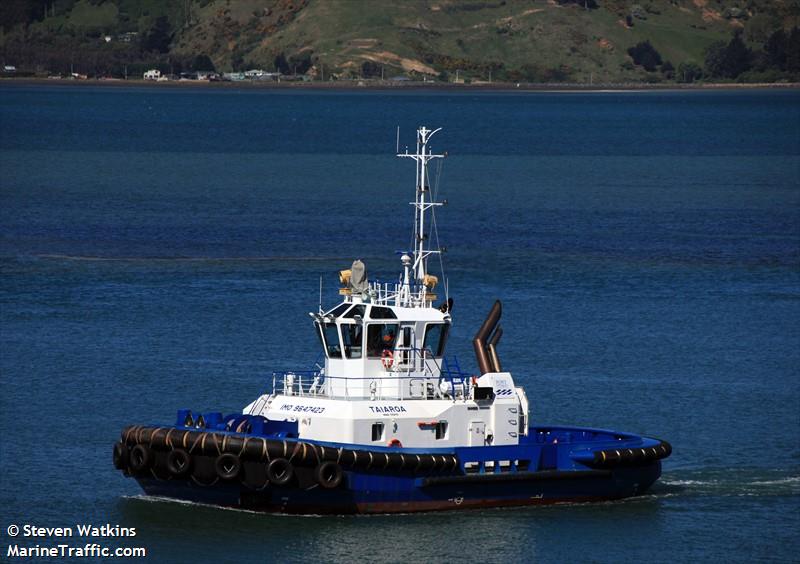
{"x":378,"y":312}
{"x":338,"y":310}
{"x":357,"y":310}
{"x":381,"y":338}
{"x":436,"y":338}
{"x":331,"y":335}
{"x":377,"y":431}
{"x":351,"y":339}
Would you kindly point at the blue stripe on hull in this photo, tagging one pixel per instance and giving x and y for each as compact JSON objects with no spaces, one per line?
{"x":380,"y":493}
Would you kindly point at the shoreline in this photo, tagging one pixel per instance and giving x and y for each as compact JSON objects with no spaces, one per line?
{"x":389,"y":86}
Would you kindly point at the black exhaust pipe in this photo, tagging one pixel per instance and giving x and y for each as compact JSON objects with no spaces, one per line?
{"x":479,"y":342}
{"x":492,"y":346}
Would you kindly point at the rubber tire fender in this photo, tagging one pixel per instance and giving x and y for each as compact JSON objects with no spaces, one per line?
{"x":280,"y":471}
{"x":179,"y":462}
{"x":120,"y":455}
{"x":140,"y":458}
{"x":228,"y":466}
{"x":329,"y":475}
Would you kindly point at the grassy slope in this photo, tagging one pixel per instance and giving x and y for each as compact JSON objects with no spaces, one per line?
{"x":344,"y":33}
{"x":423,"y":35}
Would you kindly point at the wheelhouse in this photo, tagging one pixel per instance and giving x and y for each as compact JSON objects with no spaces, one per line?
{"x":374,"y":349}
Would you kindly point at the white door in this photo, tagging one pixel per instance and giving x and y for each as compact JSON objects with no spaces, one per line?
{"x":477,"y":433}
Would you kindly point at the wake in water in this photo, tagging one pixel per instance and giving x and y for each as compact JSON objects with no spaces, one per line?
{"x":730,"y":482}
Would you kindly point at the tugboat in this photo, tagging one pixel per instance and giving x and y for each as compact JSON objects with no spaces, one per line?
{"x":388,"y":424}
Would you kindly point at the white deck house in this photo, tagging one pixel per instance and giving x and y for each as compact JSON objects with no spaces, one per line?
{"x":385,"y":381}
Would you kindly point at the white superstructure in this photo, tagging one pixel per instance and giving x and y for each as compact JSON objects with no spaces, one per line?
{"x":385,"y":380}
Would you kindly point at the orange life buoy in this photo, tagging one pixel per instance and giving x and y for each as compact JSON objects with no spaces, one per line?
{"x":387,"y":359}
{"x":395,"y":443}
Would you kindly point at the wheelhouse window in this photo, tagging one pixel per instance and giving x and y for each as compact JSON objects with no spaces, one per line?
{"x":356,"y":310}
{"x":378,"y":312}
{"x":352,"y":340}
{"x":377,"y":431}
{"x":331,"y":336}
{"x":338,"y":310}
{"x":436,"y":338}
{"x":381,"y":337}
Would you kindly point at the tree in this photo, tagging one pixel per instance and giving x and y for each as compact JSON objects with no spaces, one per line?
{"x":644,"y":54}
{"x":370,"y":69}
{"x":202,"y":63}
{"x":301,"y":63}
{"x":728,"y":60}
{"x":689,"y":72}
{"x":281,"y":64}
{"x":295,"y":64}
{"x":793,"y":51}
{"x":13,"y":12}
{"x":668,"y":70}
{"x":159,"y":36}
{"x":737,"y":57}
{"x":775,"y":47}
{"x":715,"y":58}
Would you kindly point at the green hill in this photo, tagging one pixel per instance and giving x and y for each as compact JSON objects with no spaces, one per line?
{"x":499,"y":40}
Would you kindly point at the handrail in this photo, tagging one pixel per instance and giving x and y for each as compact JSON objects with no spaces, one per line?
{"x":384,"y":292}
{"x":397,"y":385}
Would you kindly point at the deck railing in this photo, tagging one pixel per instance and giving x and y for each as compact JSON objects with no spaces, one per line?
{"x":422,"y":378}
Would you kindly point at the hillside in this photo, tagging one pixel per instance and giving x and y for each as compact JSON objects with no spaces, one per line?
{"x":499,"y":40}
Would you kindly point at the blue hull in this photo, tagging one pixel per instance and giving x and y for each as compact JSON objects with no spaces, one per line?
{"x":369,"y":493}
{"x":550,"y":465}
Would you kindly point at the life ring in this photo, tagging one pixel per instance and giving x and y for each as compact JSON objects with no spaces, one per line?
{"x":140,"y":458}
{"x":120,"y":456}
{"x":395,"y":443}
{"x":227,"y":466}
{"x":280,"y":471}
{"x":387,"y":359}
{"x":178,"y":462}
{"x":329,"y":475}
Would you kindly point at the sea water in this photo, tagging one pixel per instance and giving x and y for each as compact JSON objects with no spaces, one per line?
{"x":160,"y":249}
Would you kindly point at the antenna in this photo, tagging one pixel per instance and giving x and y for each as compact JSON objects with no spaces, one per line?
{"x":320,"y":295}
{"x":422,"y":202}
{"x":397,"y":147}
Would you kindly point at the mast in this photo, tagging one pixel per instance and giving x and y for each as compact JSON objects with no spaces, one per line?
{"x":422,"y":204}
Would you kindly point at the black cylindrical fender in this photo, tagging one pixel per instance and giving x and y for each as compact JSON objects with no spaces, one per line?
{"x":297,"y":453}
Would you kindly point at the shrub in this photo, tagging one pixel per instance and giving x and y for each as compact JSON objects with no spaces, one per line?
{"x":644,"y":54}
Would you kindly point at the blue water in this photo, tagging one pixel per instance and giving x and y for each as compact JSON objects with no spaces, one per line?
{"x":160,"y":248}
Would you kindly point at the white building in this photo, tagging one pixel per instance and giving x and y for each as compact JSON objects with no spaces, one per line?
{"x":152,"y":74}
